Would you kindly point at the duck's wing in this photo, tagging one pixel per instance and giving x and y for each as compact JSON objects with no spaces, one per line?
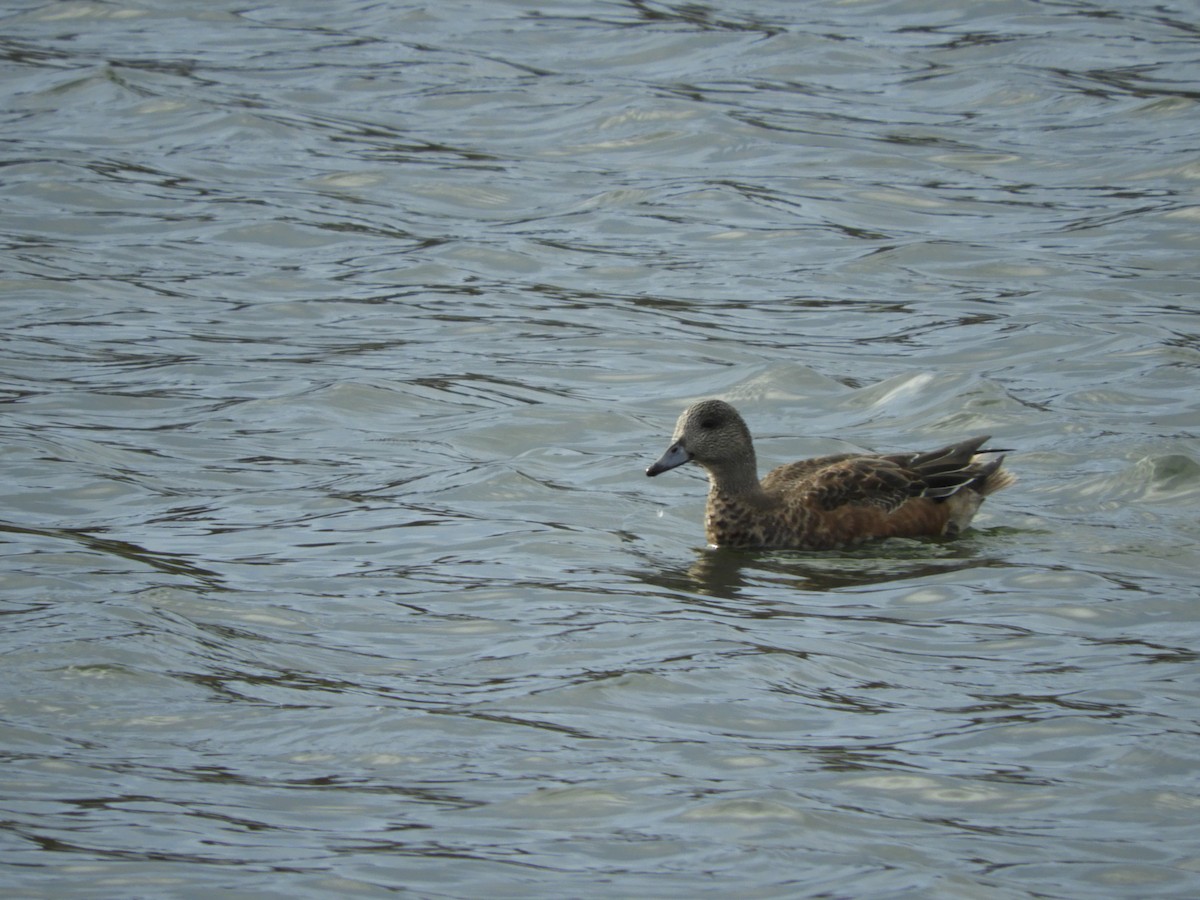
{"x":945,"y":471}
{"x":881,"y":482}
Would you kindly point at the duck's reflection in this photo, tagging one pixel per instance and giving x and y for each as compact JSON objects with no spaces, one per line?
{"x":729,"y":574}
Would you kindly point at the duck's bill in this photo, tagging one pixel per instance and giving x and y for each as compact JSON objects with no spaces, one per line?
{"x":675,"y":456}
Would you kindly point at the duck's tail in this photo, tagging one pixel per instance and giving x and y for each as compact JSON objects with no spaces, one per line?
{"x":992,"y":475}
{"x":960,"y":476}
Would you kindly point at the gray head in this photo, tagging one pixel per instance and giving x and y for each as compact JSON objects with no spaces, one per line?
{"x":712,"y":434}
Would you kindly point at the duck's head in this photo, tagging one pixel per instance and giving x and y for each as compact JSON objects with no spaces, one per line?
{"x":712,"y":434}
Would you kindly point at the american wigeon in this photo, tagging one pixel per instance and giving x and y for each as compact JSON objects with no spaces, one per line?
{"x":831,"y":501}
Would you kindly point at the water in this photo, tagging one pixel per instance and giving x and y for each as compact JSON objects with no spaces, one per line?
{"x":338,"y":336}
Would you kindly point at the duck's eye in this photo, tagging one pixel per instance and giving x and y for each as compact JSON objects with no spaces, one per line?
{"x":708,"y":424}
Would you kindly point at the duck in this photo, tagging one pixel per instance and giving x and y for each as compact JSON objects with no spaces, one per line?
{"x":830,"y":502}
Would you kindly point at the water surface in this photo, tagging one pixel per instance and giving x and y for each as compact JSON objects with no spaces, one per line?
{"x":338,"y":336}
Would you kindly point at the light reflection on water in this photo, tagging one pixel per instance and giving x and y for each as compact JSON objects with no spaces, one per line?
{"x":338,"y":339}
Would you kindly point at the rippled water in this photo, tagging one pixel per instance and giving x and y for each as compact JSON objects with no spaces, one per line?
{"x":338,"y":336}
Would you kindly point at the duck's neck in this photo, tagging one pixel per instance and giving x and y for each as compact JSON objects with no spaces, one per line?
{"x":738,"y":479}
